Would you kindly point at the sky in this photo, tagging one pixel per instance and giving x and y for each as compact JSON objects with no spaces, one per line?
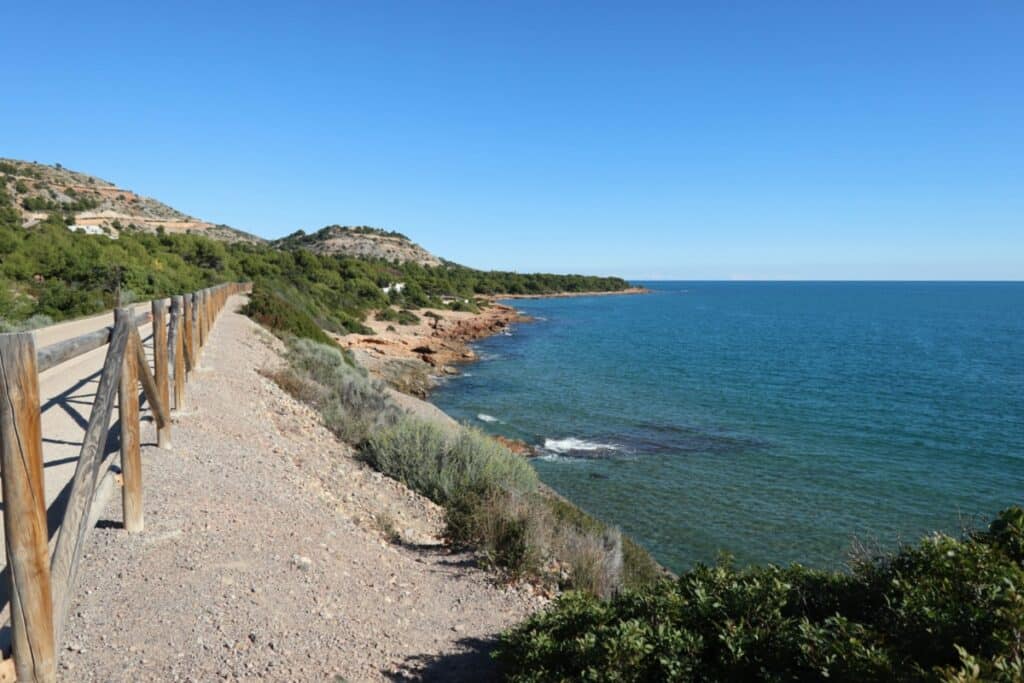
{"x":719,"y":140}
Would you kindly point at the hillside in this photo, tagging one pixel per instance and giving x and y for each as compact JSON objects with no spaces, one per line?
{"x":361,"y":242}
{"x":48,"y":269}
{"x":38,"y":190}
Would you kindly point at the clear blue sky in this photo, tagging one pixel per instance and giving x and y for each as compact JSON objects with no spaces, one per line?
{"x":668,"y":140}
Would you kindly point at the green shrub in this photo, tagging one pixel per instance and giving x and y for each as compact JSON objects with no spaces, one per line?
{"x":402,"y":317}
{"x":280,"y":316}
{"x":407,"y":318}
{"x":388,"y":314}
{"x":467,"y":305}
{"x":351,"y":404}
{"x":946,"y":609}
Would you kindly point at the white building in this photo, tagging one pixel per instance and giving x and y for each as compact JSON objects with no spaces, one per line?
{"x":87,"y":229}
{"x":397,"y":287}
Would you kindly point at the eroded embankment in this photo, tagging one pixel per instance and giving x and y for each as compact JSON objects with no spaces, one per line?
{"x":267,"y":555}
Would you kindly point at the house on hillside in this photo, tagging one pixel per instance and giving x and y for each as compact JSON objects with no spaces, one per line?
{"x":88,"y":229}
{"x":396,"y":287}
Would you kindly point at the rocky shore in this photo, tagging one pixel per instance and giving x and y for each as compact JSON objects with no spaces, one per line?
{"x":409,"y":356}
{"x":412,"y":357}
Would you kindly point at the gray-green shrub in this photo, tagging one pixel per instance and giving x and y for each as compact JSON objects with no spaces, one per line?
{"x":351,"y":404}
{"x":33,"y":323}
{"x":445,"y":464}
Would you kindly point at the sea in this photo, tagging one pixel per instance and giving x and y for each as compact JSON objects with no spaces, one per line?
{"x":776,"y":422}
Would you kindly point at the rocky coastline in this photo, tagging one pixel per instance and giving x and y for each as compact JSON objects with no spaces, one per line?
{"x":411,"y":357}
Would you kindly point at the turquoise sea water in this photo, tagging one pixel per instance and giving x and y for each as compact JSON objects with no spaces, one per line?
{"x":775,"y":421}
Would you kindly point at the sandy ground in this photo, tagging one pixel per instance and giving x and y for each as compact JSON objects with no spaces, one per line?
{"x":266,"y":554}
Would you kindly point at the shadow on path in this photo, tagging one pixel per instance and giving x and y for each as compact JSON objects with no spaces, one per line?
{"x":472,"y":664}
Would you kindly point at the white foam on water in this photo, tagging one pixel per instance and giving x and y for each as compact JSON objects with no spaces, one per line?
{"x":484,"y":417}
{"x":573,"y":444}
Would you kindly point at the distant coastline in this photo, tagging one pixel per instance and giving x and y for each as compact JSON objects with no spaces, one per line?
{"x":569,"y":295}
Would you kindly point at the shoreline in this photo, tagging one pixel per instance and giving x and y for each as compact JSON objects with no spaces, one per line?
{"x":629,"y":291}
{"x":408,"y":359}
{"x":412,"y":357}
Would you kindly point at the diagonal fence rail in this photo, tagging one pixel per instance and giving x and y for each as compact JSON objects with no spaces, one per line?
{"x":42,"y":585}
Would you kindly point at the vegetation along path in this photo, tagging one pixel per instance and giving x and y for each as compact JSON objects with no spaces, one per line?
{"x":270,"y":551}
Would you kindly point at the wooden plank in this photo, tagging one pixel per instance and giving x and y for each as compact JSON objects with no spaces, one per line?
{"x":149,"y":387}
{"x":74,"y":528}
{"x":53,"y":355}
{"x":21,"y":469}
{"x":161,"y":368}
{"x":177,"y":346}
{"x":131,"y":458}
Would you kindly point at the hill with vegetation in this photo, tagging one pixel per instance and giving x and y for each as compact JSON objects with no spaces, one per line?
{"x":361,"y":241}
{"x":38,"y":190}
{"x":51,"y":272}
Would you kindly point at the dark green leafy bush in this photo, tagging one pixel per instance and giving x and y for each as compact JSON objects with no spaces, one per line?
{"x":945,"y":609}
{"x":402,"y":317}
{"x":282,"y":317}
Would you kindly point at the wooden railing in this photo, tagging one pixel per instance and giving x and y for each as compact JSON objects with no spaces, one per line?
{"x":41,"y":585}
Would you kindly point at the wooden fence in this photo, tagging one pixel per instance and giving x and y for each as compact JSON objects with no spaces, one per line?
{"x":41,"y":585}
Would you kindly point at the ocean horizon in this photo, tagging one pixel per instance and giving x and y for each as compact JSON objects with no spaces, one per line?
{"x":777,"y":421}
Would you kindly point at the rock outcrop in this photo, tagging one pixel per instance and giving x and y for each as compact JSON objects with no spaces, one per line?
{"x":361,"y":242}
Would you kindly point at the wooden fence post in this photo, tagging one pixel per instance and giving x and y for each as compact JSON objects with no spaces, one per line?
{"x":160,"y":368}
{"x":131,"y":459}
{"x":208,"y":310}
{"x":177,"y":345}
{"x":21,"y":468}
{"x":190,"y":338}
{"x":201,"y":319}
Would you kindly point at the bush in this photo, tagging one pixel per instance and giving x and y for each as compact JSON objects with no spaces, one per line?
{"x":447,"y":464}
{"x":946,"y":609}
{"x":509,"y":529}
{"x":33,"y":323}
{"x":402,"y":317}
{"x":278,"y":315}
{"x":495,"y":504}
{"x":350,"y":403}
{"x":464,"y":305}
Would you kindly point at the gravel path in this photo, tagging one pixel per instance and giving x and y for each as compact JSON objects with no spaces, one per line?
{"x":270,"y":553}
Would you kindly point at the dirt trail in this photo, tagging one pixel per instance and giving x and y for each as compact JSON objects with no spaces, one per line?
{"x":264,"y":556}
